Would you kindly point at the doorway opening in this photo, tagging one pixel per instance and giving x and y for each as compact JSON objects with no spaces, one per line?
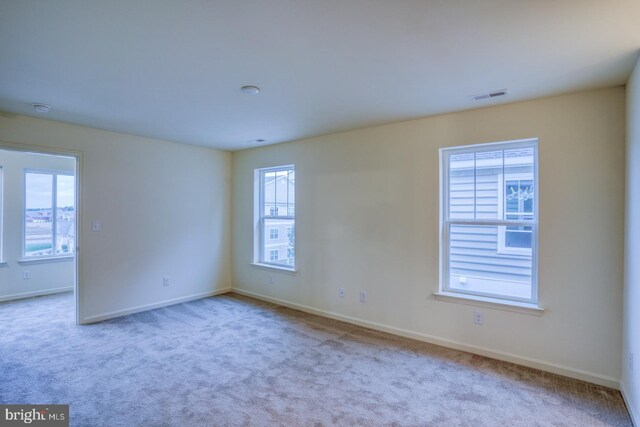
{"x":39,"y":228}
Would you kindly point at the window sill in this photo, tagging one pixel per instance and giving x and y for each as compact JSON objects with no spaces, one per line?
{"x":274,"y":268}
{"x":45,"y":260}
{"x":514,"y":306}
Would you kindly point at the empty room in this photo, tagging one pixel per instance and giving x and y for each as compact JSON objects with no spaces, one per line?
{"x":320,"y":213}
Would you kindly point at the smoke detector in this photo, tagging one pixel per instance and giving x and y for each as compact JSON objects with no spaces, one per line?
{"x":41,"y":108}
{"x":251,"y":90}
{"x":493,"y":94}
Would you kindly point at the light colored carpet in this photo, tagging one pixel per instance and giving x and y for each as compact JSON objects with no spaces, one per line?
{"x":231,"y":360}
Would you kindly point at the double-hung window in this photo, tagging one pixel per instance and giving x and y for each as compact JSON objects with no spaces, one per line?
{"x":276,"y":211}
{"x":49,"y":215}
{"x":489,"y":220}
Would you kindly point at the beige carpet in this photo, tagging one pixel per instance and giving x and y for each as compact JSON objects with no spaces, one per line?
{"x":231,"y":360}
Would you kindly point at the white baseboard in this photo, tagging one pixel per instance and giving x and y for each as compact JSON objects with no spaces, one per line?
{"x":140,"y":308}
{"x":482,"y":351}
{"x":35,"y":293}
{"x":630,"y":408}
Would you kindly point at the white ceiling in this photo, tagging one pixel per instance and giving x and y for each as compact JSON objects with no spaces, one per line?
{"x":172,"y":69}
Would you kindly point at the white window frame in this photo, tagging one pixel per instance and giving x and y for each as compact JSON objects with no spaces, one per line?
{"x":277,"y":257}
{"x":261,"y":254}
{"x":54,"y":199}
{"x":446,"y":222}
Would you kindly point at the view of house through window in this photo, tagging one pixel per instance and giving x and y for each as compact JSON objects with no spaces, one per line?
{"x":49,"y":215}
{"x":489,"y":211}
{"x":277,"y":216}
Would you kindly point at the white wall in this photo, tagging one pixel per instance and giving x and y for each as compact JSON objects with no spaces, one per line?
{"x":46,"y":276}
{"x":367,"y":218}
{"x":630,"y":383}
{"x":163,"y":208}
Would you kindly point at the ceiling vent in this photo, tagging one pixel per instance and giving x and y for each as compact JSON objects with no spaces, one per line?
{"x":494,"y":94}
{"x":41,"y":108}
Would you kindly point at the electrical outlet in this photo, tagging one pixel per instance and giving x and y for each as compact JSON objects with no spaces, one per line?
{"x":630,"y":362}
{"x":341,"y":292}
{"x":271,"y":282}
{"x":165,"y":281}
{"x":363,"y":296}
{"x":26,"y":275}
{"x":478,"y":318}
{"x":95,"y":226}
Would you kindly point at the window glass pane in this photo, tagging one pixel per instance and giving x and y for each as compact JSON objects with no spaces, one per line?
{"x":462,"y":186}
{"x":65,"y":214}
{"x":519,"y":196}
{"x":291,"y":184}
{"x":269,"y":193}
{"x":291,"y":246}
{"x":488,"y":172}
{"x":282,"y":192}
{"x":38,"y":214}
{"x":519,"y":185}
{"x":473,"y":185}
{"x":291,"y":194}
{"x":278,"y":189}
{"x":283,"y":241}
{"x":476,"y":266}
{"x":518,"y":237}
